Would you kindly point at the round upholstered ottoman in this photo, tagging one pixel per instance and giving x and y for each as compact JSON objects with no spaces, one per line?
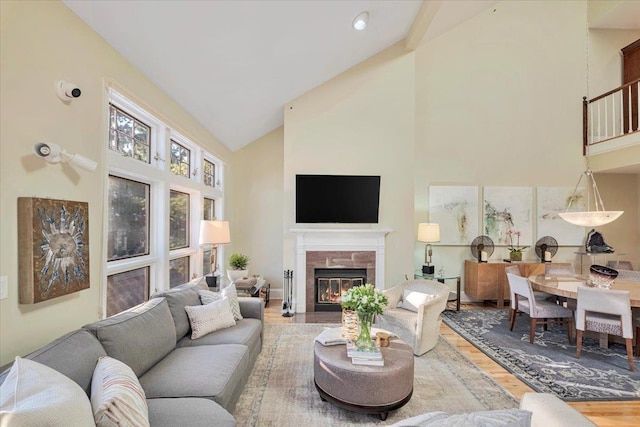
{"x":364,"y":388}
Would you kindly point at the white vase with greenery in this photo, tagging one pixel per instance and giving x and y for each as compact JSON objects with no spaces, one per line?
{"x":238,"y":267}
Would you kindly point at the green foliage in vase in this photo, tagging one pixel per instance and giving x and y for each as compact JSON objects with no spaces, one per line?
{"x":238,"y":261}
{"x":364,"y":299}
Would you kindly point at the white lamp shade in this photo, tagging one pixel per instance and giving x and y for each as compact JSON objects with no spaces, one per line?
{"x":428,"y":233}
{"x":214,"y":232}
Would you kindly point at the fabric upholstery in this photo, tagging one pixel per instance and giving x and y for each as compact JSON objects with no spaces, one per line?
{"x":549,"y":411}
{"x":139,"y":337}
{"x":411,"y":300}
{"x":217,"y":373}
{"x":74,"y":354}
{"x":116,"y":396}
{"x":247,"y":332}
{"x":629,"y":276}
{"x":35,"y":395}
{"x":496,"y":418}
{"x":199,"y":413}
{"x":420,"y":330}
{"x":594,"y":302}
{"x":208,"y":318}
{"x":230,"y":292}
{"x":177,"y":299}
{"x":620,"y":265}
{"x":559,"y":270}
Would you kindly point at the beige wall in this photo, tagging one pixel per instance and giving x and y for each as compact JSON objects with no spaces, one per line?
{"x":361,"y":122}
{"x":256,"y":222}
{"x":605,"y":58}
{"x":42,"y":42}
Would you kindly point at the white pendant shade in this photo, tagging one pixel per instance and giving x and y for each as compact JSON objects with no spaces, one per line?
{"x":590,"y":219}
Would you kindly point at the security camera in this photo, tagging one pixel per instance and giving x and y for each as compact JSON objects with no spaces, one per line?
{"x":67,"y":91}
{"x":52,"y":153}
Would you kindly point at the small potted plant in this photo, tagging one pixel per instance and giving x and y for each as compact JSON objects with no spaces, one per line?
{"x":515,"y":251}
{"x":238,"y":267}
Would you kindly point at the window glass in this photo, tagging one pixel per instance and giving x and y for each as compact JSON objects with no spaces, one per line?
{"x":178,"y":220}
{"x":209,"y":173}
{"x":180,"y":159}
{"x":128,"y":135}
{"x":178,"y":271}
{"x":126,"y":290}
{"x":209,"y":209}
{"x":128,"y":218}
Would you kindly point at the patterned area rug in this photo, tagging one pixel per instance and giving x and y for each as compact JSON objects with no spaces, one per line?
{"x":281,"y":392}
{"x":550,"y":364}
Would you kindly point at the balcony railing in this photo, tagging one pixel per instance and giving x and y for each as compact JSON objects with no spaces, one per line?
{"x":611,"y":115}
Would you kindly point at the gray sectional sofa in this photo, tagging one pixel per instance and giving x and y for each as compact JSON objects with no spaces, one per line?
{"x":187,"y":382}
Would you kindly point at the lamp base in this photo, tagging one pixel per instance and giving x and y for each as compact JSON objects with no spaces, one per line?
{"x":212,"y":281}
{"x":428,"y":269}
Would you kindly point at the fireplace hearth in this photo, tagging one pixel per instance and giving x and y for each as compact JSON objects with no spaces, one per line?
{"x":331,"y":282}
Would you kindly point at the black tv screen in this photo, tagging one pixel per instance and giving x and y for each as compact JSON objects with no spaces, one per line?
{"x":337,"y":199}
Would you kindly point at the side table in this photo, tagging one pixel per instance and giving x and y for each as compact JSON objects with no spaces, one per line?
{"x":452,"y":296}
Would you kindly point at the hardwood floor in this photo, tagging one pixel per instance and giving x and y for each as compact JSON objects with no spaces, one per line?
{"x":605,"y":414}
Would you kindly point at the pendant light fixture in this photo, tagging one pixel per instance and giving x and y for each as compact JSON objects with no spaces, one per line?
{"x":599,"y":216}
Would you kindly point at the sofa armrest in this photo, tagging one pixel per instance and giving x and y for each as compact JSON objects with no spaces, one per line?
{"x":549,"y":411}
{"x":252,"y":307}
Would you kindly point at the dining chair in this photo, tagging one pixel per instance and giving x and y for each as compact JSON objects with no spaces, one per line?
{"x":559,"y":270}
{"x":607,"y":311}
{"x":638,"y":336}
{"x":624,"y":265}
{"x":539,"y":311}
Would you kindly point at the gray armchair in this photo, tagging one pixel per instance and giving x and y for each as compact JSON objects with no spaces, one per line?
{"x":420,"y":329}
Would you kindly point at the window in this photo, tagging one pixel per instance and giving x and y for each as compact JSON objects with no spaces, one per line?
{"x":128,"y":234}
{"x":209,"y":173}
{"x":180,"y":159}
{"x":128,"y":136}
{"x":153,"y":213}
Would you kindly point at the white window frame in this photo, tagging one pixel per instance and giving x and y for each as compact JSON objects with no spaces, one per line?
{"x":158,"y":176}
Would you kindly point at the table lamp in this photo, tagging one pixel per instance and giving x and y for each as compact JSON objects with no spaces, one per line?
{"x":214,"y":233}
{"x":428,"y":233}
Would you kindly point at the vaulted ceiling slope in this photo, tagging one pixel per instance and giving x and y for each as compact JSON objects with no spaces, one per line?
{"x":234,"y":64}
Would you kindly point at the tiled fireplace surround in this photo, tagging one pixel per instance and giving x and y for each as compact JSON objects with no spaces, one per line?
{"x":336,"y":248}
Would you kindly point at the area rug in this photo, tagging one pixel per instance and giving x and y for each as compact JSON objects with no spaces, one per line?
{"x":280,"y":391}
{"x":550,"y":364}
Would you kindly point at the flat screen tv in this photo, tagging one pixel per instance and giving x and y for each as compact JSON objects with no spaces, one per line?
{"x":337,"y":199}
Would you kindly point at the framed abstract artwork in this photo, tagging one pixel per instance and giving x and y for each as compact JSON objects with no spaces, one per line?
{"x":550,"y":201}
{"x":53,"y":248}
{"x":455,"y":208}
{"x":508,"y":208}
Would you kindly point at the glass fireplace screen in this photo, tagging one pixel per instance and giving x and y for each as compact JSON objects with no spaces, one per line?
{"x":330,"y":289}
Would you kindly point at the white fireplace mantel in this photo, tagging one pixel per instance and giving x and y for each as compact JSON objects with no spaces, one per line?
{"x":336,"y":239}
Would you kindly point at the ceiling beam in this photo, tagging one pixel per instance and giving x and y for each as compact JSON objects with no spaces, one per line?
{"x":421,"y":24}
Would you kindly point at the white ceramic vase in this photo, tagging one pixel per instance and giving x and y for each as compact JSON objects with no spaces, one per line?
{"x":234,"y":275}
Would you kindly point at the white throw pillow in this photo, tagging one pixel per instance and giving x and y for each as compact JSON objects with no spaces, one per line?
{"x":208,"y":318}
{"x":412,"y":299}
{"x":34,"y":394}
{"x":117,"y":398}
{"x":207,"y":297}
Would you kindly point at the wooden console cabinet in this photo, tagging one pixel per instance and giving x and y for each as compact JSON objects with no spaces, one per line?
{"x":487,"y":280}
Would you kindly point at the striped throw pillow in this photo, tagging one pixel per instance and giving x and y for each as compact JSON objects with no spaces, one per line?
{"x":117,"y":398}
{"x":207,"y":297}
{"x":208,"y":318}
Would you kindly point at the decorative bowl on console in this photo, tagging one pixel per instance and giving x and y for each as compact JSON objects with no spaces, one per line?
{"x":601,"y":276}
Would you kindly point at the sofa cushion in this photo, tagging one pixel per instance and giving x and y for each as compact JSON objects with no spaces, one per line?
{"x":495,"y":418}
{"x":116,"y":395}
{"x":246,"y":332}
{"x":177,"y":299}
{"x":208,"y":318}
{"x":35,"y":395}
{"x":74,"y":354}
{"x":199,"y":413}
{"x":211,"y":372}
{"x":139,"y":337}
{"x":411,"y":300}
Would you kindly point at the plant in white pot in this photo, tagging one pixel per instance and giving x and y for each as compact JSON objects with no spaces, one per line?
{"x":238,"y":267}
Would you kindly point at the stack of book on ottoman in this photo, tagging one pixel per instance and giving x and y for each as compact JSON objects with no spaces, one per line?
{"x":372,"y":358}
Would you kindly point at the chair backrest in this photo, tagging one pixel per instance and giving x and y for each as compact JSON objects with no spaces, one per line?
{"x":520,"y":287}
{"x":559,"y":270}
{"x":628,"y":276}
{"x":625,"y":265}
{"x":605,"y":301}
{"x":512,"y":269}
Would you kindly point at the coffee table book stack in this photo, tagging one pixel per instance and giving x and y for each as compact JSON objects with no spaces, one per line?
{"x":358,"y":357}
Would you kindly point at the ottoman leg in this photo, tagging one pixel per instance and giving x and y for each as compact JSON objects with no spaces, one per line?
{"x":383,"y":416}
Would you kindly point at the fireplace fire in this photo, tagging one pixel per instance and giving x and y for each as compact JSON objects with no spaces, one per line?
{"x":330,"y":283}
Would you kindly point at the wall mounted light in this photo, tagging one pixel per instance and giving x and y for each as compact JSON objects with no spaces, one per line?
{"x":52,"y":153}
{"x":360,"y":22}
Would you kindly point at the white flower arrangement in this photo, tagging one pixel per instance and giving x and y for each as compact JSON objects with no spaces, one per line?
{"x":364,"y":299}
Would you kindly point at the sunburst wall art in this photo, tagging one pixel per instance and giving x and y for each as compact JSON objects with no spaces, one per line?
{"x":53,"y":248}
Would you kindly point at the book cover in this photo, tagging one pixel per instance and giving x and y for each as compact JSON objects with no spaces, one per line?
{"x":352,"y":351}
{"x":370,"y":362}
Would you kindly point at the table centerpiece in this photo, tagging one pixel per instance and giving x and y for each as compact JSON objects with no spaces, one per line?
{"x":366,"y":301}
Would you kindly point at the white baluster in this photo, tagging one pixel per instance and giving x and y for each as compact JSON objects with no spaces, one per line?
{"x":606,"y":118}
{"x":630,"y":128}
{"x":599,"y":125}
{"x":621,"y":114}
{"x":613,"y":114}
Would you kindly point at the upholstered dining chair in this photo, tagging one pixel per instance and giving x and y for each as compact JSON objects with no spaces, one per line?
{"x":559,"y":270}
{"x":629,"y":275}
{"x":539,"y":311}
{"x":513,"y":269}
{"x":624,"y":265}
{"x":604,"y":310}
{"x":414,"y":312}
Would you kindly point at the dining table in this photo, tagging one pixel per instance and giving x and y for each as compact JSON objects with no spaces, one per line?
{"x":567,"y":286}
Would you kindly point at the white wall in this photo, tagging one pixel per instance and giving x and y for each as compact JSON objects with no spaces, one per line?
{"x":43,"y":42}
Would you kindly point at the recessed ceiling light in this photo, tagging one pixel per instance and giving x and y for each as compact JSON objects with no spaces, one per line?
{"x":360,"y":23}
